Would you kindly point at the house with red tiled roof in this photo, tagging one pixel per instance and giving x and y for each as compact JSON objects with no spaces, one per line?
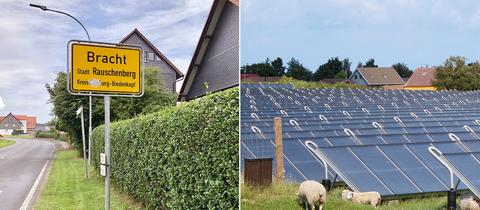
{"x":421,"y":79}
{"x":11,"y":123}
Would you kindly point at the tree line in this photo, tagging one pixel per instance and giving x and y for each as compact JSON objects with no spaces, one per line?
{"x":333,"y":68}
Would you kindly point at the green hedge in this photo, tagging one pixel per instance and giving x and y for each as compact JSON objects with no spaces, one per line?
{"x":41,"y":134}
{"x":183,"y":157}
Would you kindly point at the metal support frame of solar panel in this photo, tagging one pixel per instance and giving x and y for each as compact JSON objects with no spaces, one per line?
{"x":387,"y":108}
{"x":466,"y":166}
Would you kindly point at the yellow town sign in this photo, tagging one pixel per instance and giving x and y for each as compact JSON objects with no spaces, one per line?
{"x":103,"y":69}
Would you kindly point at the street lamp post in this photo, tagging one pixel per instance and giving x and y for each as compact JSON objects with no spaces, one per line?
{"x":44,"y":8}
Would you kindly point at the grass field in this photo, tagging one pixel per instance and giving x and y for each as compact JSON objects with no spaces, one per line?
{"x":5,"y":143}
{"x":26,"y":136}
{"x":282,"y":196}
{"x":67,"y":188}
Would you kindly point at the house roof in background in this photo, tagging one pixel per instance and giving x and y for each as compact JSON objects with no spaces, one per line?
{"x":31,"y":120}
{"x":422,"y":77}
{"x":202,"y":45}
{"x":159,"y":54}
{"x":380,"y":76}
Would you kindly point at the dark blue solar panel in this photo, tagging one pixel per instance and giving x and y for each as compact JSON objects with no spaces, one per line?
{"x":394,"y":139}
{"x":414,"y":168}
{"x":354,"y":170}
{"x":341,"y":141}
{"x":384,"y":170}
{"x":418,"y":138}
{"x":303,"y":160}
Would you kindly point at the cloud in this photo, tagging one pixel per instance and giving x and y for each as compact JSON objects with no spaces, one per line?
{"x":2,"y":104}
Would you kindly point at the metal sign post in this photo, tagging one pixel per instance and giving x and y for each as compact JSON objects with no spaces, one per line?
{"x":80,"y":112}
{"x":104,"y":69}
{"x":107,"y":152}
{"x":89,"y":130}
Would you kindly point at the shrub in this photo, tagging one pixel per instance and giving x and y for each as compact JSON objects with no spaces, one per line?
{"x":183,"y":157}
{"x":42,"y":134}
{"x":308,"y":84}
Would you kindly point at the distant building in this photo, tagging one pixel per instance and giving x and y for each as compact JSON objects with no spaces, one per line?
{"x":255,"y":78}
{"x":154,"y":58}
{"x":421,"y":79}
{"x":215,"y":60}
{"x":10,"y":123}
{"x":376,"y":76}
{"x":43,"y":127}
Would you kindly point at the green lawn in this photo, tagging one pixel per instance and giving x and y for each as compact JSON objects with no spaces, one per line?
{"x":67,"y":188}
{"x":5,"y":143}
{"x":25,"y":136}
{"x":282,"y":196}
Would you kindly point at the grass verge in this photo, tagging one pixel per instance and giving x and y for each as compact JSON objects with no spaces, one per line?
{"x":26,"y":136}
{"x":5,"y":143}
{"x":67,"y":188}
{"x":282,"y":196}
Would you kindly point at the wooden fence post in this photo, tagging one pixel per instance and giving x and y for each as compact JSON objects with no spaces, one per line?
{"x":278,"y":148}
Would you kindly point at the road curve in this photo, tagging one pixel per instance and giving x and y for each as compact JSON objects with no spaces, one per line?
{"x":20,"y":165}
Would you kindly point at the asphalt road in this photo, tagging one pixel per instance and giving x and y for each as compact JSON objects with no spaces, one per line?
{"x":20,"y":165}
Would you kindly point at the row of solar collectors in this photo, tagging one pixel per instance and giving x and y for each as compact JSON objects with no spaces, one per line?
{"x":328,"y":118}
{"x":374,"y":137}
{"x":391,"y":169}
{"x":256,"y":131}
{"x":316,"y":104}
{"x":315,"y":98}
{"x":343,"y":115}
{"x":289,"y":88}
{"x":287,"y":126}
{"x":247,"y":88}
{"x":320,"y":104}
{"x":364,"y":98}
{"x":400,"y":168}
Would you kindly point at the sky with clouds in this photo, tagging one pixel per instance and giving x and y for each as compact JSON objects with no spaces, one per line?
{"x":34,"y":43}
{"x":416,"y":32}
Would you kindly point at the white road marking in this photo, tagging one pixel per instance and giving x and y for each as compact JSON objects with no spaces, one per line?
{"x":29,"y":197}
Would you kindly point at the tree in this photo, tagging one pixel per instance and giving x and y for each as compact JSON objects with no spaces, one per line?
{"x":370,"y":63}
{"x":277,"y":64}
{"x":298,"y":71}
{"x":455,"y":74}
{"x":329,"y":69}
{"x":402,"y":69}
{"x":346,"y":67}
{"x":263,"y":69}
{"x":341,"y":75}
{"x":155,"y":97}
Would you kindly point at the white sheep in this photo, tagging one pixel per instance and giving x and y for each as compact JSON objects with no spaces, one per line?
{"x":469,"y":202}
{"x":311,"y":192}
{"x":372,"y":198}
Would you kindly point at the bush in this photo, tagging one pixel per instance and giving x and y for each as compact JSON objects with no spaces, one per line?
{"x":183,"y":157}
{"x":42,"y":134}
{"x":308,"y":84}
